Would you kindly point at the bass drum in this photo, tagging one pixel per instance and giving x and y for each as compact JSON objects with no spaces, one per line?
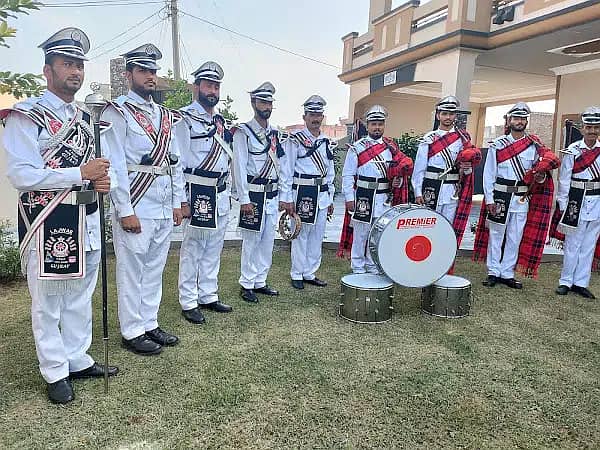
{"x":413,"y":245}
{"x":366,"y":298}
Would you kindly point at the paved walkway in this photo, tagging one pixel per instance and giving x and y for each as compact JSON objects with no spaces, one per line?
{"x":334,"y":227}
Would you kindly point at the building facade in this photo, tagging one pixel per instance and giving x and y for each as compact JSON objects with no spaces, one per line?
{"x":485,"y":52}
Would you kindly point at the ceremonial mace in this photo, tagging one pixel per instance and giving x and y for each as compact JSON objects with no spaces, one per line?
{"x":96,"y":103}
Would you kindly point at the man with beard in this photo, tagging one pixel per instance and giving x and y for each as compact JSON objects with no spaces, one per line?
{"x":513,"y":224}
{"x":307,"y":174}
{"x":50,"y":149}
{"x":578,"y":201}
{"x":146,"y":203}
{"x":447,"y":149}
{"x":204,"y":143}
{"x":257,"y":151}
{"x":374,"y":168}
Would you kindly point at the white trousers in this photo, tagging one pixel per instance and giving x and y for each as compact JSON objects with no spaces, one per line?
{"x":579,"y":249}
{"x":141,"y":259}
{"x":503,"y":264}
{"x":62,"y":324}
{"x":448,"y":210}
{"x":257,"y":253}
{"x":199,"y":263}
{"x":361,"y":261}
{"x":306,"y":248}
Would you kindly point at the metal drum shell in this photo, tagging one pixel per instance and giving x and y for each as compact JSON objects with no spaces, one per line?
{"x":449,"y":302}
{"x":355,"y":301}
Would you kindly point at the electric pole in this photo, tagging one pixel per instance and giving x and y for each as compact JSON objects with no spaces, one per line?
{"x":175,"y":39}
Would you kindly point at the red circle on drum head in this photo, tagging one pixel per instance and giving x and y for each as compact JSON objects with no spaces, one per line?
{"x":418,"y":248}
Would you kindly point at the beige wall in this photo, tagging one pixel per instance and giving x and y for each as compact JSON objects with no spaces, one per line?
{"x":576,"y":93}
{"x":8,"y":196}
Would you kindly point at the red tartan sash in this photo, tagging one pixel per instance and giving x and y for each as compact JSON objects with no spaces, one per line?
{"x":442,"y":142}
{"x":514,"y":149}
{"x":402,"y":166}
{"x":161,"y":140}
{"x":585,"y":160}
{"x":371,"y":152}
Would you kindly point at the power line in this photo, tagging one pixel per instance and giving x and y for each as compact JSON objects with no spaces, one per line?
{"x":100,"y":3}
{"x":185,"y":52}
{"x":268,"y":44}
{"x":130,"y":39}
{"x":127,"y":30}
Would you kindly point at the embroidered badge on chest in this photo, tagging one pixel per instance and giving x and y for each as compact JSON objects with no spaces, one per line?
{"x":143,"y":121}
{"x":54,"y":126}
{"x":166,"y":124}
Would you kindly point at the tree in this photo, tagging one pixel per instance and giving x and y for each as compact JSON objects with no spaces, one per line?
{"x":226,"y":111}
{"x":179,"y":94}
{"x":16,"y":84}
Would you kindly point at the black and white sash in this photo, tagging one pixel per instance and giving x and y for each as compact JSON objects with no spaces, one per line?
{"x":161,"y":140}
{"x":204,"y":183}
{"x":57,"y":217}
{"x":307,"y":196}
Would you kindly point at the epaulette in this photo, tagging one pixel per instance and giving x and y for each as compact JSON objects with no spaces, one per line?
{"x":26,"y":107}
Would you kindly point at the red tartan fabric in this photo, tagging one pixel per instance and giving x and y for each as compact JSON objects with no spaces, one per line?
{"x":512,"y":150}
{"x":585,"y":160}
{"x":442,"y":142}
{"x":401,"y":166}
{"x":471,"y":154}
{"x":532,"y":244}
{"x":371,"y":152}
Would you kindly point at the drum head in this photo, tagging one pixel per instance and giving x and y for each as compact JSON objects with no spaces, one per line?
{"x":452,"y":281}
{"x":367,"y":281}
{"x":415,"y":248}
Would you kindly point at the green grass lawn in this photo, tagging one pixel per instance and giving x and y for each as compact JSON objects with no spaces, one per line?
{"x":521,"y":372}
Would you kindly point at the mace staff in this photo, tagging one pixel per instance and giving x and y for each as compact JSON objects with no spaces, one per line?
{"x":95,"y":104}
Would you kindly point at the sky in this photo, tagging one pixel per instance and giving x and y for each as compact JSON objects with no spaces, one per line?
{"x":309,"y":27}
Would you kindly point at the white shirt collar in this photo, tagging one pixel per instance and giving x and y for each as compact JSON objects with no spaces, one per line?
{"x":139,"y":100}
{"x":56,"y":102}
{"x":200,"y":109}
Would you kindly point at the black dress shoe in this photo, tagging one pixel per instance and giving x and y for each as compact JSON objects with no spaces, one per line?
{"x":584,"y":292}
{"x":512,"y":283}
{"x":248,"y":295}
{"x":490,"y":281}
{"x":316,"y":282}
{"x":266,"y":290}
{"x":193,"y":315}
{"x":142,"y":345}
{"x":94,"y":371}
{"x":298,"y":284}
{"x":61,"y":391}
{"x":562,"y":289}
{"x":162,"y":337}
{"x":217,"y":306}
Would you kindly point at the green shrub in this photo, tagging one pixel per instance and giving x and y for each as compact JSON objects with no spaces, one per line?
{"x":10,"y":263}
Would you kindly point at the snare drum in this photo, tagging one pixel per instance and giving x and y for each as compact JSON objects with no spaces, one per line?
{"x":366,"y":298}
{"x":413,"y":245}
{"x":448,"y":297}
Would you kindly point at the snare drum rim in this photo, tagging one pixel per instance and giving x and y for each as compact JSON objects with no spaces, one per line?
{"x":362,"y":288}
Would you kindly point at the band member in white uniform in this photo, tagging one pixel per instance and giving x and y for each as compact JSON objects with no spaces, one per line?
{"x":59,"y":223}
{"x":432,"y":160}
{"x":578,"y":199}
{"x":307,"y":173}
{"x":205,"y":146}
{"x":257,"y":151}
{"x":146,"y":203}
{"x":503,"y":187}
{"x":372,"y":185}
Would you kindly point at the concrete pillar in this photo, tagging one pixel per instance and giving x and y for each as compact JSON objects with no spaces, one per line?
{"x":458,"y":79}
{"x":348,"y":41}
{"x":378,"y":8}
